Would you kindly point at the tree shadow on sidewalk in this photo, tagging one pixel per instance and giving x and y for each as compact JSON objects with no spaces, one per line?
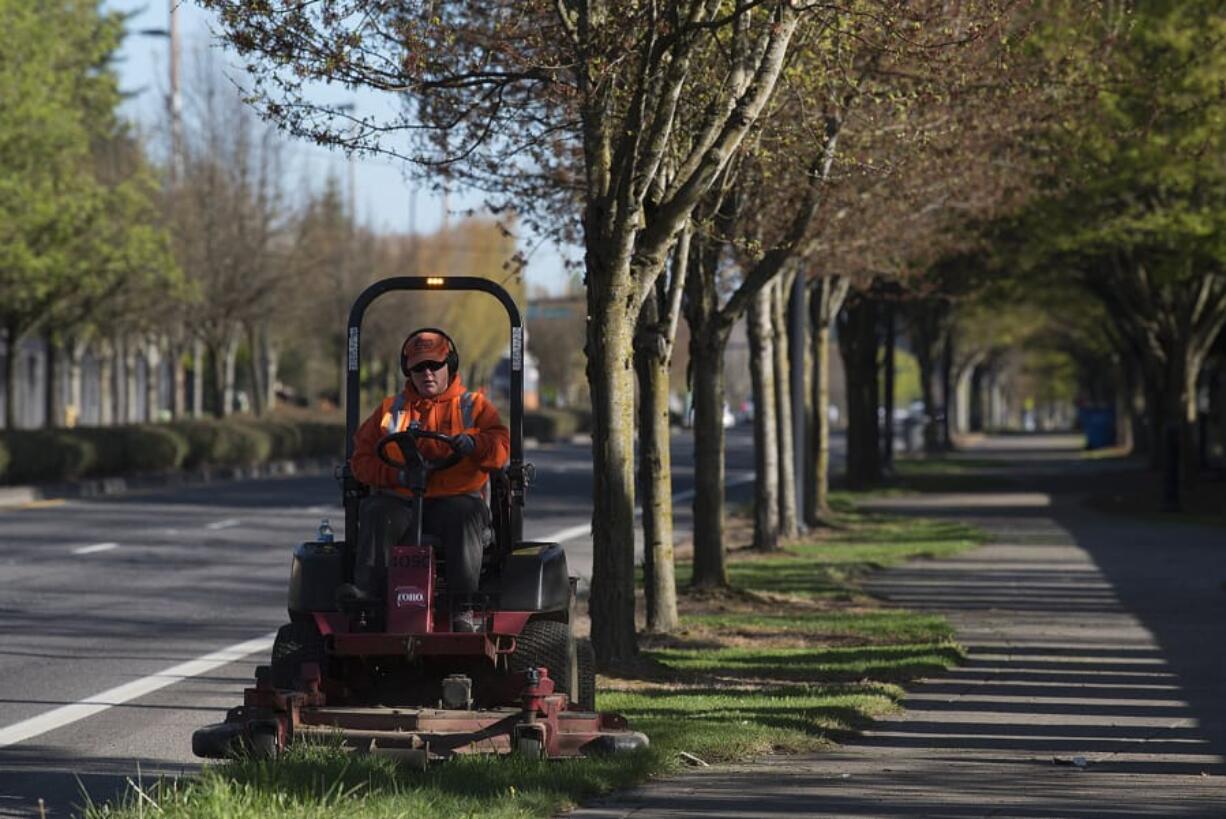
{"x":1088,"y":636}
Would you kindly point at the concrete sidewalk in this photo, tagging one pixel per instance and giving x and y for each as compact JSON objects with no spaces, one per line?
{"x":1095,"y":686}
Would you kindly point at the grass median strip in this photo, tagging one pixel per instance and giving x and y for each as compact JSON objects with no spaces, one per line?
{"x":792,"y":658}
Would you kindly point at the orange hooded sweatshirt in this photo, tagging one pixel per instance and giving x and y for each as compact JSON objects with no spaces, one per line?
{"x":440,"y":414}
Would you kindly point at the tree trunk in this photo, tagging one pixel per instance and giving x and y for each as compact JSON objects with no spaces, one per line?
{"x":76,"y":398}
{"x":1155,"y":417}
{"x":925,"y":327}
{"x":178,"y":388}
{"x":1125,"y":405}
{"x":611,"y":376}
{"x":53,"y":409}
{"x":947,"y":388}
{"x":229,"y":359}
{"x":121,"y":380}
{"x":707,"y":361}
{"x":808,"y":464}
{"x":132,"y":413}
{"x":858,"y":345}
{"x":799,"y":352}
{"x":887,"y":432}
{"x":1185,"y":372}
{"x":107,"y":395}
{"x":255,"y":370}
{"x":153,"y":379}
{"x":270,"y":359}
{"x":927,"y":376}
{"x":963,"y":383}
{"x":217,"y":377}
{"x":778,"y":291}
{"x":765,"y":424}
{"x":825,"y":303}
{"x":198,"y":354}
{"x":651,"y":364}
{"x":10,"y":376}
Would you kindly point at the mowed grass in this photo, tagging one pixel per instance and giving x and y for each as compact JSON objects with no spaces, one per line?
{"x":794,"y":657}
{"x":950,"y":474}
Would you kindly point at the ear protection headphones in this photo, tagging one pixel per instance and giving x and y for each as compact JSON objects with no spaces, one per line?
{"x":453,"y":356}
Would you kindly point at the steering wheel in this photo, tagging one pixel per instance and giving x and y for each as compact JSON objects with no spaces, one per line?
{"x":407,"y":441}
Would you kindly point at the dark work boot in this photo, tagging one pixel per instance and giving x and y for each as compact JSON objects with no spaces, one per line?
{"x":466,"y":621}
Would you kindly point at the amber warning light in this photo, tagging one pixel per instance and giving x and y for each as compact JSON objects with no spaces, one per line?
{"x":434,"y":281}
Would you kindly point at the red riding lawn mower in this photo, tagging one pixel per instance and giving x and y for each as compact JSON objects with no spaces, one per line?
{"x":386,"y":673}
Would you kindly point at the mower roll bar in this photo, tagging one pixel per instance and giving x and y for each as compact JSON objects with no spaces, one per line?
{"x":354,"y":491}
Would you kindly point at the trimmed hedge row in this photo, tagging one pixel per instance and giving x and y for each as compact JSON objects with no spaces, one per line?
{"x":547,"y":425}
{"x":48,"y":455}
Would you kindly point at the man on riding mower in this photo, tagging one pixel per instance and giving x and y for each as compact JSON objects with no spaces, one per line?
{"x":454,"y":510}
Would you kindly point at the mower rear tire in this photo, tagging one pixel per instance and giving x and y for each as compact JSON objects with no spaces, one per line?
{"x":586,"y":701}
{"x":550,"y":644}
{"x":296,"y":644}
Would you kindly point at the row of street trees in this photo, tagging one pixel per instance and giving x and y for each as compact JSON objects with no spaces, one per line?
{"x":80,"y":251}
{"x":189,"y":260}
{"x":873,"y":168}
{"x":697,"y":140}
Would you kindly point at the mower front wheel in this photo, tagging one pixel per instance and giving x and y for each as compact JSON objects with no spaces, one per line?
{"x":550,"y":644}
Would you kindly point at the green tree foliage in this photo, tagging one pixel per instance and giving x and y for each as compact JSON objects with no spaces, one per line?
{"x":75,"y":230}
{"x":1135,"y":209}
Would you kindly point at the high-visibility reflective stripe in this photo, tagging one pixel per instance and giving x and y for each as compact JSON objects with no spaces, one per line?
{"x":397,"y":407}
{"x":466,"y":409}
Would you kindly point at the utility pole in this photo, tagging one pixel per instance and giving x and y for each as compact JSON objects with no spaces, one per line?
{"x":349,"y":109}
{"x":174,"y":172}
{"x":175,"y":103}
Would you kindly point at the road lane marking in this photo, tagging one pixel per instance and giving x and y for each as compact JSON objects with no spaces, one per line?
{"x":569,"y":533}
{"x":228,"y":523}
{"x":68,"y":714}
{"x":97,"y":547}
{"x":686,"y":494}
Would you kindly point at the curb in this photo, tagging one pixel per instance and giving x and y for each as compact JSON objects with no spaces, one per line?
{"x":17,"y":496}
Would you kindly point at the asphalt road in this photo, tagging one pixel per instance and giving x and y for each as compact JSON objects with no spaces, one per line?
{"x":128,"y":622}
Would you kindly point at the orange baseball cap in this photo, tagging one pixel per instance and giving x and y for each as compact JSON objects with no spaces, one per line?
{"x":426,"y":346}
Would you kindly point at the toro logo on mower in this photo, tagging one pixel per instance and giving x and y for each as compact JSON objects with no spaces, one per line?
{"x":409,"y":596}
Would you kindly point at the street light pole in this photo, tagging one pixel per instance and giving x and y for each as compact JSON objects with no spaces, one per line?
{"x":175,"y":101}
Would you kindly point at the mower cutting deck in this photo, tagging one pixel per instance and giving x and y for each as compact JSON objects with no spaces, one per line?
{"x":384,"y":671}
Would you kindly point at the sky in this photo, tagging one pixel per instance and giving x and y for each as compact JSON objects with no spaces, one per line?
{"x":385,"y":200}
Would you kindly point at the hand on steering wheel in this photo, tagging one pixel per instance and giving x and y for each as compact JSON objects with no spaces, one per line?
{"x":407,"y":442}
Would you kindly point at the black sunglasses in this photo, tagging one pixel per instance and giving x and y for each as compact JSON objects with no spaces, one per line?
{"x":432,"y":366}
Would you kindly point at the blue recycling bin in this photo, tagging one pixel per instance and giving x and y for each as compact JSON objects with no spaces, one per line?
{"x":1098,"y":424}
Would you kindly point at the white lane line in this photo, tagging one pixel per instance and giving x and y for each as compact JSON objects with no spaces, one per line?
{"x":97,"y":547}
{"x":686,"y":494}
{"x":228,"y":523}
{"x":585,"y":529}
{"x":569,"y":533}
{"x":68,"y":714}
